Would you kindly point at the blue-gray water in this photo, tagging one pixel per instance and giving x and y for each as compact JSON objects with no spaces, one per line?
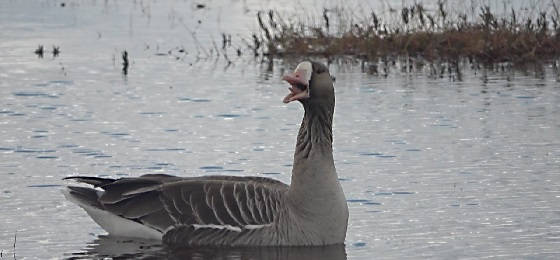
{"x":432,"y":167}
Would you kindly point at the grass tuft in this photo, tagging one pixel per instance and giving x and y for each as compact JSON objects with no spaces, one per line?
{"x":482,"y":36}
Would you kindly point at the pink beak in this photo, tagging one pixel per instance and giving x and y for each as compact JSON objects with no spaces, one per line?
{"x":295,"y":78}
{"x":296,"y":93}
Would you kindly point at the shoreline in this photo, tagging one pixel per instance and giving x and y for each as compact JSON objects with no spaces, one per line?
{"x":419,"y":34}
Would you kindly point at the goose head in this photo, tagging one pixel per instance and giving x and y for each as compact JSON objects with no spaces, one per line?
{"x":310,"y":83}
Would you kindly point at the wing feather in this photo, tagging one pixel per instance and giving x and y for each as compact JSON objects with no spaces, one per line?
{"x":241,"y":203}
{"x":206,"y":208}
{"x":258,"y":205}
{"x":229,"y":202}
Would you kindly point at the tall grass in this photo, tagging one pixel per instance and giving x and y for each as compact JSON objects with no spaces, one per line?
{"x":415,"y":31}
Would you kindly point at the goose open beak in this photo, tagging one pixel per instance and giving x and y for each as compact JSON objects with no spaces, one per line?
{"x":299,"y":89}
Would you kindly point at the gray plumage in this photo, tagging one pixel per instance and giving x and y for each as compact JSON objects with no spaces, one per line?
{"x":229,"y":210}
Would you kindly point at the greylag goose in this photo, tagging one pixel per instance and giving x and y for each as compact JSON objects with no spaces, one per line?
{"x":231,"y":210}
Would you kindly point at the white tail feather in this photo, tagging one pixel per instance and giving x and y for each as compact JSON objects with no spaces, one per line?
{"x":113,"y":224}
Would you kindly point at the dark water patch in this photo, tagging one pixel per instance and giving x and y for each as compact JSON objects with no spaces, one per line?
{"x":48,"y":108}
{"x":233,"y":170}
{"x":67,"y":146}
{"x":344,"y":179}
{"x":155,"y":150}
{"x":472,"y":204}
{"x":46,"y":157}
{"x":403,"y":192}
{"x":372,"y":203}
{"x":386,"y":156}
{"x":121,"y":174}
{"x":6,"y":112}
{"x":258,"y":149}
{"x":357,"y":200}
{"x":455,"y":205}
{"x":525,"y":97}
{"x":154,"y":168}
{"x":17,"y":114}
{"x":40,"y":131}
{"x":211,"y":168}
{"x":200,"y":100}
{"x":38,"y":136}
{"x":228,"y":115}
{"x":197,"y":100}
{"x":413,"y":150}
{"x":33,"y":94}
{"x":116,"y":134}
{"x":163,"y":164}
{"x":102,"y":156}
{"x":171,"y":130}
{"x":29,"y":94}
{"x":174,"y":149}
{"x":383,"y":193}
{"x":359,"y":244}
{"x":270,"y":173}
{"x":44,"y":185}
{"x":115,"y":167}
{"x":287,"y":165}
{"x":6,"y":149}
{"x":87,"y":152}
{"x":262,"y":117}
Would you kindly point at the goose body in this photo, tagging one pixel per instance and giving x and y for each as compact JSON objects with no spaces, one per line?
{"x":231,"y":210}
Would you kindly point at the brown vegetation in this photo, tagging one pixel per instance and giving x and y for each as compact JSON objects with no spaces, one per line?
{"x":429,"y":35}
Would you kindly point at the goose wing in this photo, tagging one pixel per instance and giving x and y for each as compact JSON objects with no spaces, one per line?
{"x":188,"y":206}
{"x":219,"y":211}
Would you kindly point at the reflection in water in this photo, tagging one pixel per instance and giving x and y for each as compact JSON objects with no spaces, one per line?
{"x":114,"y":247}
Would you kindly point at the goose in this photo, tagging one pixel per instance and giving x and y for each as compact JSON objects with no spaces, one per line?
{"x":233,"y":210}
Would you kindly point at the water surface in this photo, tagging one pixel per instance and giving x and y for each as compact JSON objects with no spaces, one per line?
{"x":432,"y":167}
